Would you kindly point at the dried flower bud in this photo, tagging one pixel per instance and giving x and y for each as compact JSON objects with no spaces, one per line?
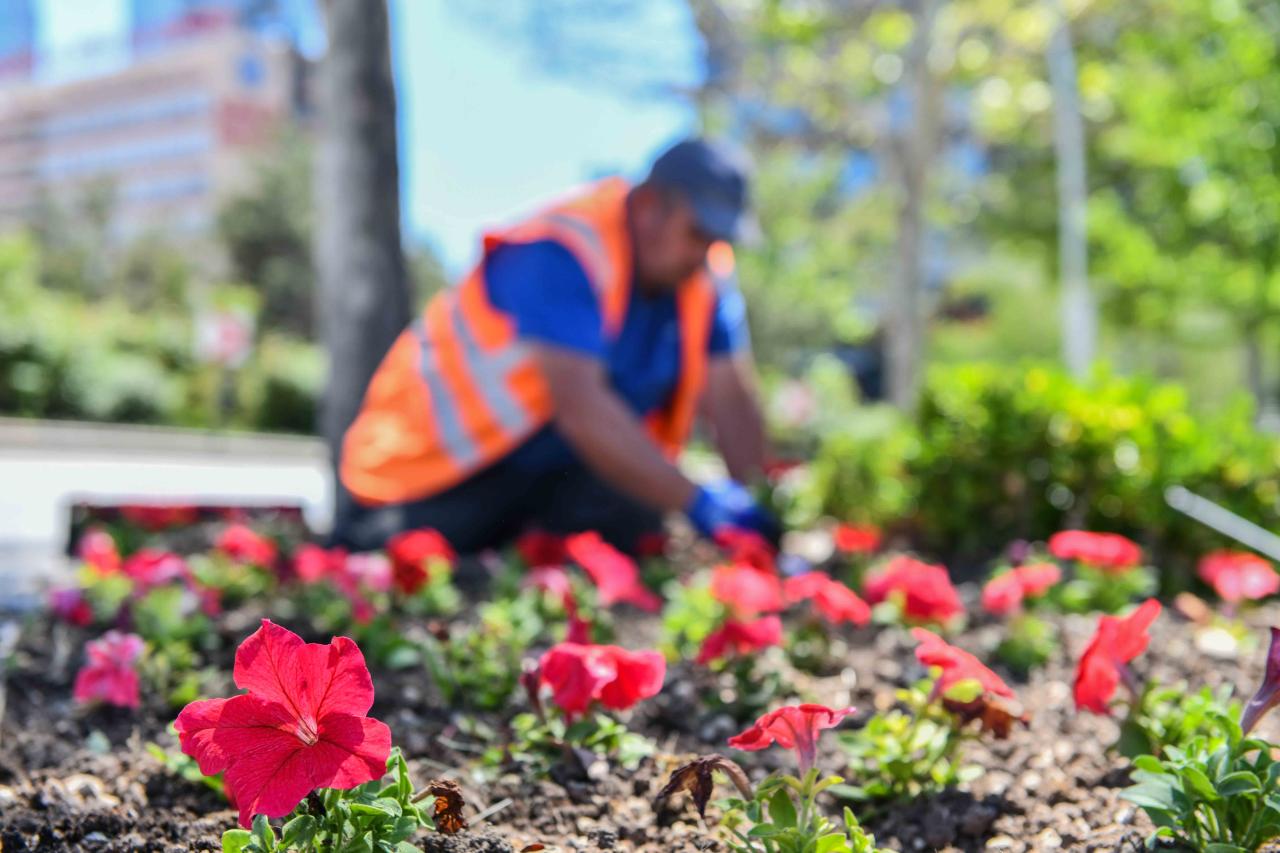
{"x":696,"y":778}
{"x":448,"y":806}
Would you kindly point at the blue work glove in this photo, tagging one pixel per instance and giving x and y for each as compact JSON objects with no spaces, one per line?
{"x":727,"y":506}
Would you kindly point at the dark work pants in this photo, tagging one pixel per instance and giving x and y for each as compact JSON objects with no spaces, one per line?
{"x":496,"y":505}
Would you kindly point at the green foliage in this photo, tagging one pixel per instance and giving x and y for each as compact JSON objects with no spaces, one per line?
{"x":1030,"y":451}
{"x":478,"y":666}
{"x":1091,"y":590}
{"x":1029,"y":642}
{"x":690,"y":613}
{"x":184,"y":766}
{"x":906,"y":751}
{"x":1220,"y":793}
{"x":784,"y":818}
{"x":1171,"y":717}
{"x":64,"y":357}
{"x":370,"y":817}
{"x":536,"y":745}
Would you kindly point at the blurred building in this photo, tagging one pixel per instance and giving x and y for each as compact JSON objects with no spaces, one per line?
{"x":168,"y":132}
{"x":17,"y":37}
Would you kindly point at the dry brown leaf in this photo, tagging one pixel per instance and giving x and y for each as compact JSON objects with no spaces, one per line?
{"x":696,"y":778}
{"x":448,"y":807}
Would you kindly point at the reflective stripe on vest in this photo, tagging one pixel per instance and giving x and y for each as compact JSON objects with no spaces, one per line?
{"x":489,"y":372}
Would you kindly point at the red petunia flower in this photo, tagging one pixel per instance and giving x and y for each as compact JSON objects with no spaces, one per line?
{"x":832,"y":600}
{"x":956,"y":664}
{"x":1267,"y":695}
{"x":1005,"y":592}
{"x":109,"y":674}
{"x":413,"y":553}
{"x":312,"y":564}
{"x":1109,"y":552}
{"x":150,"y":568}
{"x":243,"y":544}
{"x":156,"y":517}
{"x":924,"y":591}
{"x":857,"y":539}
{"x":580,"y":675}
{"x":301,"y":726}
{"x":1104,"y":662}
{"x":792,"y":727}
{"x":69,"y":605}
{"x":98,"y":549}
{"x":554,"y":581}
{"x":615,"y":575}
{"x":1239,"y":576}
{"x":746,"y":591}
{"x":740,"y":638}
{"x":749,"y":548}
{"x":539,"y":549}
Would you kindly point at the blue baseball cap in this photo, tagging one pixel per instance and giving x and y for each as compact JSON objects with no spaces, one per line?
{"x":714,"y":178}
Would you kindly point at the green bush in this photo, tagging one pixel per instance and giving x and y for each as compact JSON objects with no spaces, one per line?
{"x":994,"y":454}
{"x":62,"y":356}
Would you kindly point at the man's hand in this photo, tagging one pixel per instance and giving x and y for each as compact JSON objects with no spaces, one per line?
{"x":732,"y":409}
{"x":605,"y":434}
{"x":727,"y":506}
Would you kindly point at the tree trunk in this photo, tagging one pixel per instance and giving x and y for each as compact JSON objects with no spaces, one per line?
{"x":1079,"y":315}
{"x":363,"y":286}
{"x":914,"y":152}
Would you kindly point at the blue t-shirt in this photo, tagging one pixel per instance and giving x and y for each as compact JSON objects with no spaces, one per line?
{"x":545,"y":290}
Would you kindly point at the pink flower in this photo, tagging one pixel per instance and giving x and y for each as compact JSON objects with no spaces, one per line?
{"x":791,"y":727}
{"x":412,"y":555}
{"x":857,"y":539}
{"x":98,"y":550}
{"x":1105,"y":661}
{"x":554,"y":581}
{"x":242,"y":544}
{"x":580,"y":675}
{"x":1110,"y":552}
{"x":924,"y":591}
{"x":150,"y":568}
{"x":832,"y":600}
{"x":1239,"y":576}
{"x":615,"y":575}
{"x":746,"y":591}
{"x":312,"y":564}
{"x":109,"y":675}
{"x":741,"y":638}
{"x":749,"y":548}
{"x":956,"y":664}
{"x":70,"y":606}
{"x":1005,"y":592}
{"x":303,"y":724}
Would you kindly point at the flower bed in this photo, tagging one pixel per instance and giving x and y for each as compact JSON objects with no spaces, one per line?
{"x":563,"y":688}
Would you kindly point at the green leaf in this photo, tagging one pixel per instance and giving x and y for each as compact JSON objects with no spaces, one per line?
{"x":1240,"y":782}
{"x":235,"y":840}
{"x":835,"y":843}
{"x":1224,"y":848}
{"x":964,"y":691}
{"x":263,"y":832}
{"x":1195,"y":782}
{"x":1150,"y":795}
{"x":781,"y":810}
{"x":298,"y":831}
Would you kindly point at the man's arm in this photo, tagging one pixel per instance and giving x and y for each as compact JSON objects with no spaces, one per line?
{"x":605,"y":434}
{"x":731,"y":406}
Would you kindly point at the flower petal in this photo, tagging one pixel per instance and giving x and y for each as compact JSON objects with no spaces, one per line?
{"x":217,"y":732}
{"x":310,"y":679}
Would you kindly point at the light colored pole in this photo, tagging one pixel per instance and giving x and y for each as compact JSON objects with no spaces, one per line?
{"x":1079,"y":313}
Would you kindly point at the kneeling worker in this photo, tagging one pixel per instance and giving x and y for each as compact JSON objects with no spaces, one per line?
{"x":554,"y":386}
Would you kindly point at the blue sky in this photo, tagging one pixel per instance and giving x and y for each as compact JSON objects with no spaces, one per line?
{"x":484,"y":131}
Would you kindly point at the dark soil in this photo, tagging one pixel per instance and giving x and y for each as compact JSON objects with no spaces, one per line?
{"x":77,"y":780}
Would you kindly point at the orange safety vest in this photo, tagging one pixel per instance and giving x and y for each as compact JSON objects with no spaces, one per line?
{"x":458,"y":390}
